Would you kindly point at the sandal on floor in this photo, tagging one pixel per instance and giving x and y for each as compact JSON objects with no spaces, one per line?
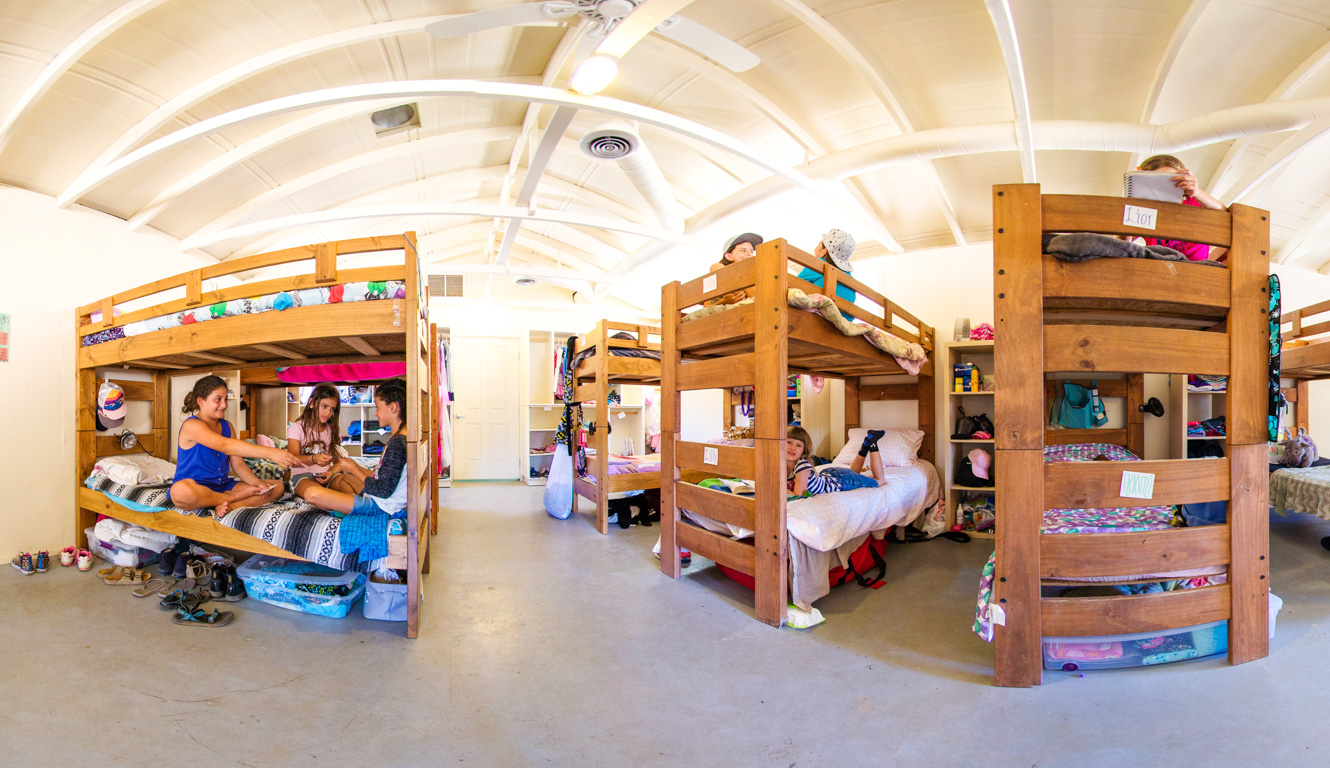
{"x":197,"y":617}
{"x":155,"y":586}
{"x":128,"y":577}
{"x":178,"y":598}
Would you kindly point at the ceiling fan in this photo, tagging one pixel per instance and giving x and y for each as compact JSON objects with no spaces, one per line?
{"x":606,"y":14}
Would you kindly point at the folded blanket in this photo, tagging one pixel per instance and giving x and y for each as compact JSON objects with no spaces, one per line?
{"x":114,"y":531}
{"x":1083,"y":246}
{"x":135,"y":470}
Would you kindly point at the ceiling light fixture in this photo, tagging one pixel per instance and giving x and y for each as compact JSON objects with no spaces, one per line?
{"x":594,"y":74}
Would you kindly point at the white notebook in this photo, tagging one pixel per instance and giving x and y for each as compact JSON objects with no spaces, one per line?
{"x":1151,"y":185}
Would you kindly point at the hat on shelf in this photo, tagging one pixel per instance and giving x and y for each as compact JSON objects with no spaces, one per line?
{"x":840,"y":247}
{"x":980,"y":462}
{"x":975,"y":474}
{"x":111,"y":405}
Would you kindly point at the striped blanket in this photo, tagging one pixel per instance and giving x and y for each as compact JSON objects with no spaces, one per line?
{"x":290,"y":524}
{"x":1301,"y":490}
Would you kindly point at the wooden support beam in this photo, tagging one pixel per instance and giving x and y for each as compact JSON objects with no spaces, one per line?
{"x":361,"y":346}
{"x":280,"y":351}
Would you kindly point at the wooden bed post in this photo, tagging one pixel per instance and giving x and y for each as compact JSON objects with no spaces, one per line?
{"x":85,"y":447}
{"x":669,"y":429}
{"x":1302,"y":408}
{"x":1248,"y":515}
{"x":770,"y":328}
{"x":1135,"y":416}
{"x":1019,"y":418}
{"x":600,"y":441}
{"x":410,"y":317}
{"x":851,"y":404}
{"x":436,"y":442}
{"x":728,"y":417}
{"x":927,"y":400}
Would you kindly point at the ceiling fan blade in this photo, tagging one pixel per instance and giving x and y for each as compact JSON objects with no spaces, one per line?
{"x":509,"y":16}
{"x":713,"y":45}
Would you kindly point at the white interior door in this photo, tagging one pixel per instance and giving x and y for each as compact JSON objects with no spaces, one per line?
{"x":485,"y":416}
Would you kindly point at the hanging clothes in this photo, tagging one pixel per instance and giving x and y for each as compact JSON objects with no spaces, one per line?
{"x":1277,"y":400}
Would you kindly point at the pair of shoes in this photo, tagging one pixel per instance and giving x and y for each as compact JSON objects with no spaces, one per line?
{"x":22,"y":563}
{"x":84,"y":560}
{"x":226,"y":585}
{"x":123,"y":576}
{"x":67,"y":556}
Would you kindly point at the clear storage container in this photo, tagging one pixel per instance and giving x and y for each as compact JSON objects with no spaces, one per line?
{"x":120,"y":554}
{"x":301,"y":586}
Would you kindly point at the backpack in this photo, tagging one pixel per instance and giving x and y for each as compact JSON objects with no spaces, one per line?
{"x":969,"y":426}
{"x":1081,"y":408}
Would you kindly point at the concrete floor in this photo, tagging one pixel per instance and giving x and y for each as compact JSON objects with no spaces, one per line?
{"x":544,"y":643}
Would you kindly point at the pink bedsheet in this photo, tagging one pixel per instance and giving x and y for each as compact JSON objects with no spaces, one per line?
{"x":317,"y":374}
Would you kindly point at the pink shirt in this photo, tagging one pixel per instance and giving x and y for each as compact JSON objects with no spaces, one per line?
{"x":321,"y":438}
{"x":1193,"y":251}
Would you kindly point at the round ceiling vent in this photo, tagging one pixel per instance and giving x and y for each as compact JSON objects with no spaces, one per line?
{"x":609,"y":143}
{"x":523,"y":280}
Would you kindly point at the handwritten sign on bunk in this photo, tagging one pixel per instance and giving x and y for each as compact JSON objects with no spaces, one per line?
{"x":4,"y":338}
{"x":1136,"y":216}
{"x":1137,"y":485}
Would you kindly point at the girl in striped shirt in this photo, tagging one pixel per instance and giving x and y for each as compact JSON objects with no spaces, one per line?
{"x":802,"y":480}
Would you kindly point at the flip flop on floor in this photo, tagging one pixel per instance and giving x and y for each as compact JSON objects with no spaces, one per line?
{"x":155,"y":586}
{"x":199,"y":618}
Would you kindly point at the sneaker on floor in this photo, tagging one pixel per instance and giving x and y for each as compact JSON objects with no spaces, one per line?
{"x":41,"y":561}
{"x":22,"y":563}
{"x":84,"y":560}
{"x":67,"y":556}
{"x":218,"y":586}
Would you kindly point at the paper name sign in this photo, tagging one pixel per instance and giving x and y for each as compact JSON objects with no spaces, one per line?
{"x":622,"y":414}
{"x":1136,"y":216}
{"x":1137,"y":485}
{"x":997,"y":615}
{"x":710,"y":455}
{"x":708,"y":283}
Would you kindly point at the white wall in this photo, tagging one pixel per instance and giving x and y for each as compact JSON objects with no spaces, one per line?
{"x":53,"y":261}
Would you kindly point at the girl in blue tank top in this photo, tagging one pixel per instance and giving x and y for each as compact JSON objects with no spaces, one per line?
{"x":207,"y":454}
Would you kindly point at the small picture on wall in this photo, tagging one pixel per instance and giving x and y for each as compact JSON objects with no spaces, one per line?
{"x":4,"y":338}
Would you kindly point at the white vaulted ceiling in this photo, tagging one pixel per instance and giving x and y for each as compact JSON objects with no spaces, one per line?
{"x":239,"y":126}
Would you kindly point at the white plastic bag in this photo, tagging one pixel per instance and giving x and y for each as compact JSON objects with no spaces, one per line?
{"x":559,"y":486}
{"x":934,"y":520}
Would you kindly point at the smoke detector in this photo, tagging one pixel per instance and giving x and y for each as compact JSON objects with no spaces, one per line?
{"x":524,"y":280}
{"x":609,"y":143}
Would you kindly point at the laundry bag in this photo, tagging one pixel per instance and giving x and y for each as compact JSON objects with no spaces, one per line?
{"x":559,"y":486}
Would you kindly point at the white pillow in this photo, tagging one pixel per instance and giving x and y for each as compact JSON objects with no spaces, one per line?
{"x":137,"y":469}
{"x":899,"y":447}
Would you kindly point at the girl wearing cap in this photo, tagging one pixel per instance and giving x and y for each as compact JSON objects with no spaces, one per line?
{"x":836,"y":247}
{"x":738,"y":248}
{"x":207,"y":450}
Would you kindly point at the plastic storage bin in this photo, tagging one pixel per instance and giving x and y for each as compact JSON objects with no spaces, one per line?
{"x":385,"y":601}
{"x":1143,"y":649}
{"x":301,"y":586}
{"x":119,"y":554}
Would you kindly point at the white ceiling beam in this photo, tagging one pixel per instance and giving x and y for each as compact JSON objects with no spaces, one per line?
{"x":1005,"y":27}
{"x":86,"y":41}
{"x":1275,"y":160}
{"x":1170,"y":56}
{"x":329,"y":172}
{"x":428,"y":210}
{"x":886,"y":94}
{"x":540,"y":159}
{"x":1300,"y":239}
{"x":414,"y":89}
{"x":1220,"y":179}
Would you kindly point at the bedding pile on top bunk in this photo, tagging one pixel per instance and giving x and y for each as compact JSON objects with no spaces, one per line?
{"x":836,"y":524}
{"x":1101,"y":520}
{"x":910,"y":356}
{"x":335,"y":294}
{"x":651,"y":354}
{"x":290,"y":524}
{"x":1083,"y":246}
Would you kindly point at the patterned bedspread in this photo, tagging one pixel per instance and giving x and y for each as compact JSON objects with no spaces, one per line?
{"x":1306,"y":491}
{"x":909,"y":355}
{"x":629,"y":465}
{"x":334,"y":294}
{"x":290,"y":524}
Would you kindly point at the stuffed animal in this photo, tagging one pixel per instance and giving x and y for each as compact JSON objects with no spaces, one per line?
{"x":1300,"y":451}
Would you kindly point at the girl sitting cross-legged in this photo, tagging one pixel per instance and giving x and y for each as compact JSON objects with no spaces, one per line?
{"x":803,"y":480}
{"x":352,"y":489}
{"x":207,"y":450}
{"x":314,"y":437}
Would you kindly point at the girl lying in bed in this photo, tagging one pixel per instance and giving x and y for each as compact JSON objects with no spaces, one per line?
{"x":207,"y":450}
{"x":313,"y":437}
{"x":352,"y":489}
{"x":802,"y":480}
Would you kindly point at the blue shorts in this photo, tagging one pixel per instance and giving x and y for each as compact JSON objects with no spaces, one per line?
{"x":849,"y":479}
{"x":365,"y":506}
{"x":216,"y":486}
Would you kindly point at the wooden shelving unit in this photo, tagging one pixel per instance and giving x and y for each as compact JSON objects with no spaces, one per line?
{"x":951,"y":450}
{"x":1186,"y":404}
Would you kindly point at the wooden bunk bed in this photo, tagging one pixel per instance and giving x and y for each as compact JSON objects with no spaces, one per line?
{"x":393,"y":328}
{"x":1128,"y":316}
{"x":1306,"y":362}
{"x":591,"y":381}
{"x":758,"y":345}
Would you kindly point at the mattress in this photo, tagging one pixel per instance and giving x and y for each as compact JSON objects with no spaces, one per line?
{"x":628,"y":465}
{"x":290,"y":524}
{"x":1305,"y":491}
{"x":828,"y":527}
{"x":343,"y":293}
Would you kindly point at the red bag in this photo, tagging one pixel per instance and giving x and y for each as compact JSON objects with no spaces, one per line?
{"x":868,"y":567}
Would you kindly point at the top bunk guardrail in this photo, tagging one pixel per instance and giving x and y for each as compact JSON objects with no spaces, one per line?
{"x":743,"y":276}
{"x":322,"y":271}
{"x":644,"y":336}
